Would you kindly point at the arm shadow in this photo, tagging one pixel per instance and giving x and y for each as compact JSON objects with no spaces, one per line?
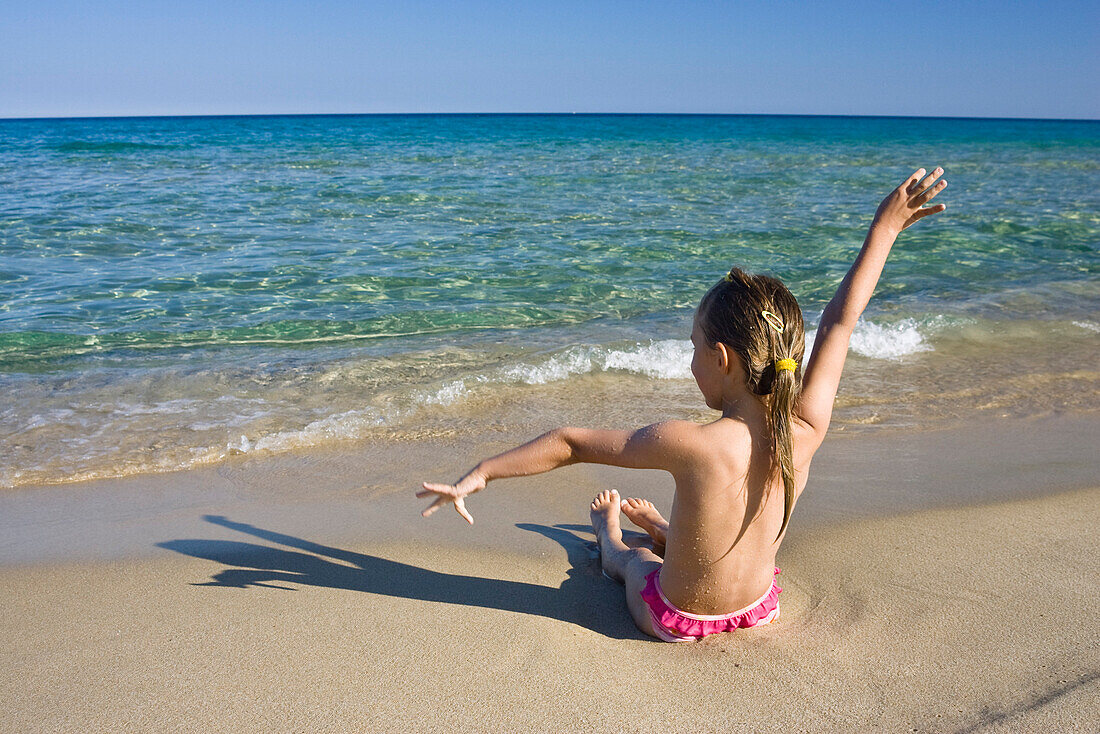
{"x":585,"y":598}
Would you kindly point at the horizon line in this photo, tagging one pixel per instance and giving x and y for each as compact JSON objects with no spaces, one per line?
{"x":59,"y":118}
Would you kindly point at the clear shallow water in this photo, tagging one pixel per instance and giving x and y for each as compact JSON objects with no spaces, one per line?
{"x":177,"y":289}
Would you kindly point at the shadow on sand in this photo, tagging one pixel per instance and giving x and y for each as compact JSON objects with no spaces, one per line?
{"x":586,"y":598}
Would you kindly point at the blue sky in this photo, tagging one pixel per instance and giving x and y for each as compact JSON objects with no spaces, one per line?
{"x":986,"y":59}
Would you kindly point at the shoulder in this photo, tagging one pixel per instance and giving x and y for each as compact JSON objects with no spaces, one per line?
{"x":681,"y":445}
{"x":666,"y":430}
{"x":671,"y":439}
{"x":724,"y":446}
{"x":677,"y":436}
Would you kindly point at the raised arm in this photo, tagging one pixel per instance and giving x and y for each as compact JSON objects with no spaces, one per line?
{"x":901,"y":208}
{"x":659,"y":446}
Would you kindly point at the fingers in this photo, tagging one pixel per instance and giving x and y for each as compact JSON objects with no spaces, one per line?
{"x":928,"y":210}
{"x":911,"y":183}
{"x":460,"y":507}
{"x":925,"y":185}
{"x":921,"y":213}
{"x":435,"y":506}
{"x":444,"y":494}
{"x":918,"y":181}
{"x":429,"y":489}
{"x":928,"y":194}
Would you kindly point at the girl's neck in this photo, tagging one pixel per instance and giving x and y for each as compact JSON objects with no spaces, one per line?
{"x":744,"y":406}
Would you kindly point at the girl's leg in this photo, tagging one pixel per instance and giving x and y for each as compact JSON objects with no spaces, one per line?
{"x":620,"y":562}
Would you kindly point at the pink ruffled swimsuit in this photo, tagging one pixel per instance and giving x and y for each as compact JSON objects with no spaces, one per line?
{"x":675,"y":625}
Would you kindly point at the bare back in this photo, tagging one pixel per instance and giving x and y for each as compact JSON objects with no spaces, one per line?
{"x":727,"y":511}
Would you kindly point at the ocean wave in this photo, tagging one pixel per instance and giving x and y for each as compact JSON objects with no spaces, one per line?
{"x":1088,"y":325}
{"x":670,"y":359}
{"x":251,"y":425}
{"x":344,"y":426}
{"x":665,"y":359}
{"x":888,"y":341}
{"x":356,"y":423}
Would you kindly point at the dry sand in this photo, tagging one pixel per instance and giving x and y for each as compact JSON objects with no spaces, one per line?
{"x":278,"y":595}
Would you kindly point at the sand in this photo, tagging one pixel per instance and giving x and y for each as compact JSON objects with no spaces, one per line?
{"x":306,"y":594}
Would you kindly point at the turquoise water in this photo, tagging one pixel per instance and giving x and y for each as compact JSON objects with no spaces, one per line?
{"x":200,"y":285}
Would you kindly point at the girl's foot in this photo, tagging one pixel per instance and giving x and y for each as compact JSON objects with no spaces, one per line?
{"x":643,"y":514}
{"x":604,"y":512}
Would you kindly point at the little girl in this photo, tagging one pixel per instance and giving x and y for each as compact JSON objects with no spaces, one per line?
{"x":727,"y":521}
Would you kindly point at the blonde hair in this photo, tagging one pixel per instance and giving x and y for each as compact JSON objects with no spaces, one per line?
{"x":736,"y":313}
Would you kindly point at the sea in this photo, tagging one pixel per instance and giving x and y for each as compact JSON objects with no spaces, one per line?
{"x":177,"y":291}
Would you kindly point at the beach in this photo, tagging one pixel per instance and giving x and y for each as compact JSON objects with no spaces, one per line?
{"x":946,"y":581}
{"x":231,"y":349}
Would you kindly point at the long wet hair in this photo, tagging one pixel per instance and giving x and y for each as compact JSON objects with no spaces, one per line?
{"x":758,"y":318}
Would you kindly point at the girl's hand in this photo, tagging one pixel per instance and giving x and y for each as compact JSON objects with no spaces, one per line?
{"x":444,"y":493}
{"x":905,"y":204}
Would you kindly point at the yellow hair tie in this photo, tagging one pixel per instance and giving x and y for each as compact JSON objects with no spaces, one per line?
{"x":786,"y":364}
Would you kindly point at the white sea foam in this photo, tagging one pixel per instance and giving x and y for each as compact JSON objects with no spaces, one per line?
{"x":1089,"y":325}
{"x":670,"y":359}
{"x":666,"y":359}
{"x":339,"y":427}
{"x":447,"y":394}
{"x":892,"y":341}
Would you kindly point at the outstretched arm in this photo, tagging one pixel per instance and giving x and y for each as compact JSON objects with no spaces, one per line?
{"x":660,"y":446}
{"x":903,"y":207}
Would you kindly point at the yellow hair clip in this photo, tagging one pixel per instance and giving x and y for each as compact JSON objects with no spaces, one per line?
{"x":728,"y":277}
{"x":773,"y":321}
{"x":786,"y":364}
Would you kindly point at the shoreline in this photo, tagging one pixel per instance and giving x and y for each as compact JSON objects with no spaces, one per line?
{"x":336,"y":495}
{"x":88,"y":426}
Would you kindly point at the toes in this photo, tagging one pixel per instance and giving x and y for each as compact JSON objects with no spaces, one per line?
{"x":604,"y":498}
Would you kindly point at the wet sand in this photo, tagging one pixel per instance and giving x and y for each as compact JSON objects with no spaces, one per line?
{"x":933,"y":580}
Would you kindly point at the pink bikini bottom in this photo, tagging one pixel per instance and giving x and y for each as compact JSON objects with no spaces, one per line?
{"x":675,"y":625}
